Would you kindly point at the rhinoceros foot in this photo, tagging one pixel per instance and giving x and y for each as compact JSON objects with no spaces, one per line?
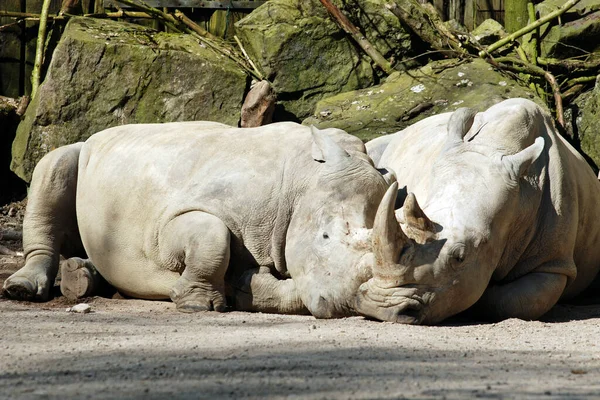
{"x":19,"y":288}
{"x":193,"y":297}
{"x":34,"y":288}
{"x":79,"y":278}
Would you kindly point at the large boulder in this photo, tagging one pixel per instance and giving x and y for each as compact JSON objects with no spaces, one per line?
{"x":407,"y":97}
{"x":307,"y":56}
{"x":575,"y":35}
{"x":107,"y":73}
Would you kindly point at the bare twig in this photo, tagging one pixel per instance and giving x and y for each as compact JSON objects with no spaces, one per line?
{"x":558,"y":103}
{"x":194,"y":26}
{"x":23,"y":104}
{"x":570,"y":65}
{"x":358,"y":37}
{"x":237,"y":40}
{"x":573,"y":91}
{"x":511,"y":38}
{"x":14,"y":14}
{"x":121,"y":14}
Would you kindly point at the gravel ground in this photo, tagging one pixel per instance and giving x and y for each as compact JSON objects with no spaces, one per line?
{"x":133,"y":349}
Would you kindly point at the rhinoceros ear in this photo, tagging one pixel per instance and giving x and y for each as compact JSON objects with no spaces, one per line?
{"x":460,"y":122}
{"x":388,"y":174}
{"x":518,"y":164}
{"x":324,"y":149}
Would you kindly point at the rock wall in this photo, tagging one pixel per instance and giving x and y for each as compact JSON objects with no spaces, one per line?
{"x":106,"y":73}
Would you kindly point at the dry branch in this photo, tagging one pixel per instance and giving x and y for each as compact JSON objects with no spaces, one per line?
{"x":528,"y":28}
{"x":427,"y":25}
{"x":570,"y":65}
{"x":194,"y":26}
{"x":237,"y":40}
{"x":517,"y":65}
{"x":11,"y":235}
{"x":358,"y":37}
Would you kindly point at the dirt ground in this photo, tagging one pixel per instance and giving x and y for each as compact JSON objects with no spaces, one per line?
{"x":133,"y":349}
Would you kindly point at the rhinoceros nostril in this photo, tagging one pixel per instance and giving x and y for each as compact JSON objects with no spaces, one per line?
{"x":409,"y":315}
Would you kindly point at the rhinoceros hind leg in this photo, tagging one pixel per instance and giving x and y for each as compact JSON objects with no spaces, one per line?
{"x":50,"y":225}
{"x":258,"y":290}
{"x":79,"y":278}
{"x":528,"y":297}
{"x":201,"y":241}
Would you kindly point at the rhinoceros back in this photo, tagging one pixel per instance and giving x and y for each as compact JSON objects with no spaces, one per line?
{"x":134,"y":179}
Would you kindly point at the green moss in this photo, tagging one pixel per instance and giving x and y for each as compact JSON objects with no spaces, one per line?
{"x":407,"y":97}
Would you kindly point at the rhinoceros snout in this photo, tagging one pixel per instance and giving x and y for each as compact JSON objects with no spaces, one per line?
{"x":392,"y":304}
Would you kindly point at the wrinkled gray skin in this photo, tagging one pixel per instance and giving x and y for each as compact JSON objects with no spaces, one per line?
{"x":275,"y":218}
{"x":509,"y":217}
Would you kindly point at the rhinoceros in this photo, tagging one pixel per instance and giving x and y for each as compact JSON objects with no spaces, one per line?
{"x":508,"y":222}
{"x":275,"y":217}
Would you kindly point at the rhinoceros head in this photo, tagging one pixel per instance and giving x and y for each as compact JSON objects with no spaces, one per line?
{"x":453,"y":245}
{"x":328,"y":244}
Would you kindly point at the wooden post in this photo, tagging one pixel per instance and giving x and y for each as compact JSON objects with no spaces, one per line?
{"x":457,"y":10}
{"x":515,"y":14}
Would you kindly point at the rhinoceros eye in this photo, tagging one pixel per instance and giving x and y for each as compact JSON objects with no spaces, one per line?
{"x":456,"y":255}
{"x":325,"y":235}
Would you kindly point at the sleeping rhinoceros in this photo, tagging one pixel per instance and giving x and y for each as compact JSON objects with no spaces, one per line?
{"x":509,"y":219}
{"x":276,"y":218}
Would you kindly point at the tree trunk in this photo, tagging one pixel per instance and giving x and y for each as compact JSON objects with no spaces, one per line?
{"x":515,"y":14}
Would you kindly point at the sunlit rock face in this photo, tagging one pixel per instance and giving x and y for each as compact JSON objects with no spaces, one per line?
{"x":106,"y":73}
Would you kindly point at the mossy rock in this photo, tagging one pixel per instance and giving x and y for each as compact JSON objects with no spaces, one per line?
{"x":307,"y":56}
{"x":407,"y":97}
{"x":106,"y":73}
{"x":576,"y":35}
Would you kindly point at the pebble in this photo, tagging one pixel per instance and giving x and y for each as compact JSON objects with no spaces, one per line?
{"x":81,"y":308}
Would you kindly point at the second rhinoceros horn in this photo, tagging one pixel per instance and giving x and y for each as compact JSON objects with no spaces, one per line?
{"x":414,"y":215}
{"x":388,"y":237}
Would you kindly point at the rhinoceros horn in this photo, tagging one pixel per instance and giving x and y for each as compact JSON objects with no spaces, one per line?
{"x":414,"y":215}
{"x":460,"y":122}
{"x":388,"y":238}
